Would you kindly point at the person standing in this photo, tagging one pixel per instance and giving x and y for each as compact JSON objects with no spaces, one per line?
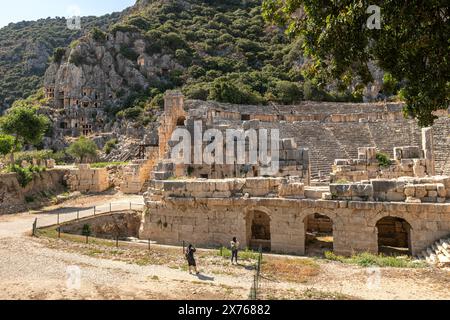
{"x":234,"y":250}
{"x":191,"y":259}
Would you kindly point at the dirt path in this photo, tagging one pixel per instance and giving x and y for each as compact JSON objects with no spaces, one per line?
{"x":29,"y":269}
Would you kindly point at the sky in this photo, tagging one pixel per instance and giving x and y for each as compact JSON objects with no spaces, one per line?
{"x":19,"y":10}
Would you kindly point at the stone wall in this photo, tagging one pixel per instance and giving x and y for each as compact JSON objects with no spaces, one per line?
{"x":87,"y":179}
{"x":136,"y":174}
{"x":213,"y":222}
{"x":225,"y":188}
{"x":408,"y":162}
{"x":411,"y":190}
{"x":13,"y":196}
{"x":174,"y":115}
{"x":122,"y":224}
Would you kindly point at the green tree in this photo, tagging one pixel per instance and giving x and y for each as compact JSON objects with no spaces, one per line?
{"x":58,"y":54}
{"x":6,"y":144}
{"x":389,"y":84}
{"x":412,"y":44}
{"x":87,"y":232}
{"x":225,"y":90}
{"x":82,"y":149}
{"x":23,"y":122}
{"x":287,"y":92}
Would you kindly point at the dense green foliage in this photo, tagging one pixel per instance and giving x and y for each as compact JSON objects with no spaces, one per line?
{"x":25,"y":175}
{"x":411,"y":44}
{"x":24,"y":123}
{"x":27,"y":48}
{"x":228,"y":52}
{"x":83,"y":149}
{"x":110,"y":145}
{"x":383,"y":159}
{"x":6,"y":144}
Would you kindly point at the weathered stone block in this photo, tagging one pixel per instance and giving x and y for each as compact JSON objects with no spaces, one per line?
{"x":410,"y":191}
{"x":381,"y":185}
{"x":421,"y":191}
{"x":292,"y":190}
{"x":341,"y":190}
{"x":289,"y":144}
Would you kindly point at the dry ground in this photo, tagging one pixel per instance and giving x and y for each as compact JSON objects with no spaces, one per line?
{"x":36,"y":268}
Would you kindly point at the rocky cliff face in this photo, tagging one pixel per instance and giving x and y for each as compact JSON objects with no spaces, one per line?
{"x":114,"y":68}
{"x":26,"y":48}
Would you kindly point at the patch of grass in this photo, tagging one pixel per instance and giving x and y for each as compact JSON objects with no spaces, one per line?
{"x":221,"y":272}
{"x":293,"y":270}
{"x":144,"y":261}
{"x":100,"y":165}
{"x":94,"y":252}
{"x":184,"y":268}
{"x":308,"y":294}
{"x":369,"y":260}
{"x":246,"y":254}
{"x":155,"y":278}
{"x":313,"y":294}
{"x":52,"y":233}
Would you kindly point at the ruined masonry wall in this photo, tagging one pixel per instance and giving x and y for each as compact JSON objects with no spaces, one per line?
{"x":86,"y":179}
{"x":12,"y":195}
{"x":135,"y":175}
{"x":212,"y":222}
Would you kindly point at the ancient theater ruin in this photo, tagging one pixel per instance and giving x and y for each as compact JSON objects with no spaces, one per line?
{"x":331,"y":191}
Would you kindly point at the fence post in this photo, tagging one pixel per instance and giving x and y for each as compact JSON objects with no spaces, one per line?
{"x":95,"y":209}
{"x":34,"y":227}
{"x":110,"y":207}
{"x":256,"y":287}
{"x":59,"y":232}
{"x":149,"y":244}
{"x":57,"y":219}
{"x":78,"y":214}
{"x":130,"y":205}
{"x":117,"y":241}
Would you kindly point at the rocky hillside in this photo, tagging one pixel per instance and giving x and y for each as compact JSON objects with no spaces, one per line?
{"x":27,"y":47}
{"x":218,"y":50}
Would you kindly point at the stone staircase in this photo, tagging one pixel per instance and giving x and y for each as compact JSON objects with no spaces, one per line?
{"x":438,"y":253}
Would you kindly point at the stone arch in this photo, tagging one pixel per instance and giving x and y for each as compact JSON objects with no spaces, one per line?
{"x":258,"y":228}
{"x":393,"y":235}
{"x":414,"y":223}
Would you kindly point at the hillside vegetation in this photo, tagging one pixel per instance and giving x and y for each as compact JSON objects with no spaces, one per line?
{"x":228,"y":51}
{"x":26,"y":48}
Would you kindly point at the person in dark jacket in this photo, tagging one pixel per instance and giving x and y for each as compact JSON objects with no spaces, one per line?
{"x":191,"y":259}
{"x":234,"y":250}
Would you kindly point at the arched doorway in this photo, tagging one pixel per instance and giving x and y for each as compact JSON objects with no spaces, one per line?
{"x":258,"y":230}
{"x":318,"y":234}
{"x":394,"y":236}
